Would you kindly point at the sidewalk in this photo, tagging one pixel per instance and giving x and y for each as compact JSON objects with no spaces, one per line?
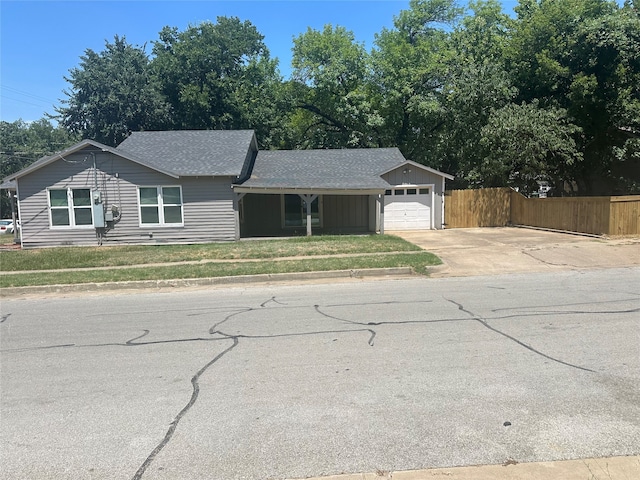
{"x":611,"y":468}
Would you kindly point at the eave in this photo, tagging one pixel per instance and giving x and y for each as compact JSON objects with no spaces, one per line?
{"x":308,"y":190}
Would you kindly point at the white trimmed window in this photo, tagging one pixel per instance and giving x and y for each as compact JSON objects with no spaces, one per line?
{"x":161,"y":205}
{"x":70,"y":207}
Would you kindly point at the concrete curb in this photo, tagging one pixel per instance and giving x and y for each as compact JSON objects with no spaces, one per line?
{"x":208,"y":281}
{"x":608,"y":468}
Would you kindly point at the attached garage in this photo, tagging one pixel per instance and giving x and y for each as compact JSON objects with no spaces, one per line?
{"x":414,"y":199}
{"x":408,"y":208}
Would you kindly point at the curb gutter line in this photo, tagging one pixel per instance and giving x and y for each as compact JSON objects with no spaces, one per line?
{"x":208,"y":281}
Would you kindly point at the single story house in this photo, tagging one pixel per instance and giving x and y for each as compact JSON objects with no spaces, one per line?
{"x":211,"y":185}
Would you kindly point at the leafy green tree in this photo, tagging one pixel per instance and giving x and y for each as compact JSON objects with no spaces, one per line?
{"x":483,"y":35}
{"x":112,"y":93}
{"x":582,"y":56}
{"x":604,"y":98}
{"x":477,"y":86}
{"x":473,"y":94}
{"x":23,"y":143}
{"x":411,"y":67}
{"x":524,"y":144}
{"x":218,"y":76}
{"x":329,"y":90}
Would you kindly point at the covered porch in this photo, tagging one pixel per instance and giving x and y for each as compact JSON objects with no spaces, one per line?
{"x":266,"y":212}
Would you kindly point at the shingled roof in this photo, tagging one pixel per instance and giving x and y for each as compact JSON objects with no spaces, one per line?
{"x":192,"y":152}
{"x":336,"y":169}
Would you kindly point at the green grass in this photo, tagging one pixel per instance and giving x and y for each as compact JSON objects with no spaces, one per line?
{"x":418,"y":261}
{"x":106,"y":256}
{"x":6,"y":239}
{"x":375,"y":251}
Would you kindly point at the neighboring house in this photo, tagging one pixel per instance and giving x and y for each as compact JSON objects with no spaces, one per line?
{"x":208,"y":185}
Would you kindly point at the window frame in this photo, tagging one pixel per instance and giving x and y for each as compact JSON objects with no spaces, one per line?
{"x":409,"y":190}
{"x":160,"y":205}
{"x":303,"y":219}
{"x":71,"y":208}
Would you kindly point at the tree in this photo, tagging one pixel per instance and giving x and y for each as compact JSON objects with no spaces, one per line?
{"x":582,"y":56}
{"x":112,"y":93}
{"x":604,"y":97}
{"x":524,"y":144}
{"x":411,"y":66}
{"x":477,"y":86}
{"x":24,"y":143}
{"x":329,"y":90}
{"x":217,"y":76}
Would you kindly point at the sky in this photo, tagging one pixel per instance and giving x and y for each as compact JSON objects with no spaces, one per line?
{"x":41,"y":40}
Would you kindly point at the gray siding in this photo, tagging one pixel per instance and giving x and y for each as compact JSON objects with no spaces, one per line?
{"x":417,"y":176}
{"x":207,"y":203}
{"x":348,"y":213}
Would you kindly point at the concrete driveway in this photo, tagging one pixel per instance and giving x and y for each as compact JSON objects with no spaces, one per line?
{"x":490,"y":251}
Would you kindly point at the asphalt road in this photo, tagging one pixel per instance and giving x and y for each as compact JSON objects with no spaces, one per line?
{"x":268,"y":382}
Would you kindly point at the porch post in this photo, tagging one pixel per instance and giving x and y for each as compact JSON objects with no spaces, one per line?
{"x":236,"y":212}
{"x":381,"y":203}
{"x":308,"y":200}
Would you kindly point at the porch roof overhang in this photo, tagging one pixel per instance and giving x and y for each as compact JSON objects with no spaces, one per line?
{"x":8,"y":185}
{"x":307,"y":190}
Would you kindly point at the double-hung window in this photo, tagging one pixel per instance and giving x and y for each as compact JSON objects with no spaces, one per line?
{"x":70,"y":207}
{"x":160,"y":206}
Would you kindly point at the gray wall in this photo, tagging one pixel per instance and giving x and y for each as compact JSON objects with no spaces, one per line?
{"x":346,"y":213}
{"x":418,"y":176}
{"x":207,"y":203}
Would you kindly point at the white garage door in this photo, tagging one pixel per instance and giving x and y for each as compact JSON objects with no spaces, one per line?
{"x":407,"y":209}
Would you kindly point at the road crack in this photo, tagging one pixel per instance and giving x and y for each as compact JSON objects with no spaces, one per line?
{"x":484,"y":323}
{"x":174,"y":424}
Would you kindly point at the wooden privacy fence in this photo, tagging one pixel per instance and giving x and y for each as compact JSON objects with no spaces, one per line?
{"x":487,"y":207}
{"x":498,"y":207}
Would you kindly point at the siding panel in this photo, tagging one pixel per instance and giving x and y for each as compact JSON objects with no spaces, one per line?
{"x":346,"y":212}
{"x":207,"y":203}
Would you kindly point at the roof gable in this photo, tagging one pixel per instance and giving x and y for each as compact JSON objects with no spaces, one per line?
{"x":420,"y":166}
{"x":193,"y":152}
{"x":84,"y":144}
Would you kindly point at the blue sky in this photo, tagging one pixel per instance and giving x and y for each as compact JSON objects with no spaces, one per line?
{"x":40,"y":41}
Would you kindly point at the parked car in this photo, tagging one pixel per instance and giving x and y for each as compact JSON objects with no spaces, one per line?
{"x":6,"y":226}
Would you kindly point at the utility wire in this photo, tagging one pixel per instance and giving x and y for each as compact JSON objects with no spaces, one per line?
{"x":27,"y":94}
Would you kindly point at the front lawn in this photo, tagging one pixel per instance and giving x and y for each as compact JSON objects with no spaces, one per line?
{"x":217,"y":259}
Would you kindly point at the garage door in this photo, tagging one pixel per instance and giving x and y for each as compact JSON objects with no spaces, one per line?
{"x":407,"y":209}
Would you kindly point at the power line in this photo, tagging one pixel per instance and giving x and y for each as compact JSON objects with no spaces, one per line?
{"x":28,"y":94}
{"x":41,"y":105}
